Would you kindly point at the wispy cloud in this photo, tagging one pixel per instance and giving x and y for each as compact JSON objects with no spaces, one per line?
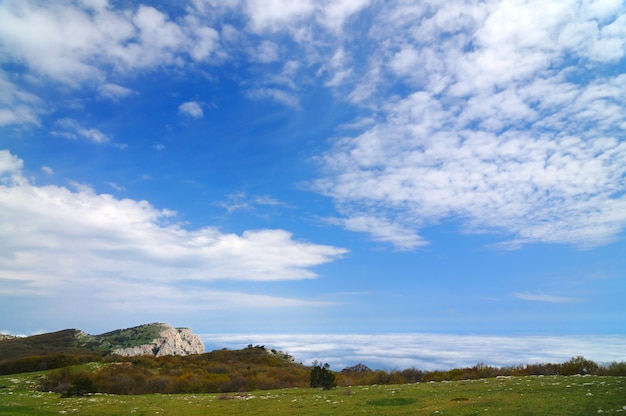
{"x":241,"y":201}
{"x":116,"y":186}
{"x":541,"y":297}
{"x":17,"y":107}
{"x":380,"y":229}
{"x":278,"y":95}
{"x":265,"y":52}
{"x":115,"y":92}
{"x":72,"y":129}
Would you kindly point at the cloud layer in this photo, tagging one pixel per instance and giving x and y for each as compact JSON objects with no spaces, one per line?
{"x":428,"y":351}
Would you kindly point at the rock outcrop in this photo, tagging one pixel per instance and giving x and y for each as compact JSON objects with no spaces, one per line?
{"x":171,"y":341}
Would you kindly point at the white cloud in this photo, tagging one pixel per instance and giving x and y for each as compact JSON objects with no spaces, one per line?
{"x":265,"y":52}
{"x":280,"y":96}
{"x":73,"y":43}
{"x":115,"y":92}
{"x":380,"y":229}
{"x":541,"y":297}
{"x":10,"y":165}
{"x":334,"y":13}
{"x":116,"y":186}
{"x":60,"y":238}
{"x":16,"y":105}
{"x":501,"y":122}
{"x":279,"y":15}
{"x":47,"y":170}
{"x":203,"y":40}
{"x":192,"y":109}
{"x":274,"y":15}
{"x":507,"y":116}
{"x":240,"y":201}
{"x":428,"y":351}
{"x":72,"y":129}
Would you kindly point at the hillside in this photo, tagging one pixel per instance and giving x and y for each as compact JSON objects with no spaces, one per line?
{"x":251,"y":368}
{"x":73,"y":346}
{"x":4,"y":337}
{"x":64,"y":341}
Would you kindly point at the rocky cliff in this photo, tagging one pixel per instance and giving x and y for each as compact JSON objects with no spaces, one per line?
{"x":171,"y":341}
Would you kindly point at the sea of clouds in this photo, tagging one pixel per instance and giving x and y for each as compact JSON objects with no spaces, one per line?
{"x":428,"y":351}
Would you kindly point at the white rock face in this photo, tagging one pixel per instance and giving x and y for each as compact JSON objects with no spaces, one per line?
{"x":171,"y":341}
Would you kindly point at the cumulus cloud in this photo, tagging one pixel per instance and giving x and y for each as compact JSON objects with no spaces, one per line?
{"x":60,"y":238}
{"x":191,"y":109}
{"x":72,"y":42}
{"x":502,"y":122}
{"x":10,"y":166}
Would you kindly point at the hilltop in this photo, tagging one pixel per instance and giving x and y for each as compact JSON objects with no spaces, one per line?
{"x":71,"y":346}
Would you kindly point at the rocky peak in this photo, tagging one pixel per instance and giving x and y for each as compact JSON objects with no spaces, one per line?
{"x":171,"y":341}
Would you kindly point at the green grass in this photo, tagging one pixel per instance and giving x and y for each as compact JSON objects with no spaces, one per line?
{"x":130,"y":337}
{"x":531,"y":395}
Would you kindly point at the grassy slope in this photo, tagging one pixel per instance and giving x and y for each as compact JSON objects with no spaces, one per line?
{"x":130,"y":337}
{"x":73,"y":341}
{"x":50,"y":343}
{"x":532,"y":395}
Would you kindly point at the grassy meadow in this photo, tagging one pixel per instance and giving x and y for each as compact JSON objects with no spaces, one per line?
{"x":521,"y":395}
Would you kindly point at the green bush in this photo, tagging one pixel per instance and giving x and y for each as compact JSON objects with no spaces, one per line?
{"x":321,"y":376}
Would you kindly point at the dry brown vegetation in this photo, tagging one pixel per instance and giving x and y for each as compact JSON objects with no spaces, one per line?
{"x":254,"y":368}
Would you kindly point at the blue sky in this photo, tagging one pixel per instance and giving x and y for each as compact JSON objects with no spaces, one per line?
{"x":313,"y":167}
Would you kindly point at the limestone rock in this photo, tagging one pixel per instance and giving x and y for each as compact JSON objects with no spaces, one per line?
{"x":171,"y":341}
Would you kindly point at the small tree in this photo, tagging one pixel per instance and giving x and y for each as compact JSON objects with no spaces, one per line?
{"x":578,"y":365}
{"x":321,"y":376}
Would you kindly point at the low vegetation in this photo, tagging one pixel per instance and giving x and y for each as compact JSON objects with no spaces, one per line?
{"x":511,"y":396}
{"x":77,"y":378}
{"x":255,"y":368}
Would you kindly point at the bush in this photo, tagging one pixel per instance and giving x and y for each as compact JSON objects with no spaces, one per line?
{"x":578,"y":365}
{"x":321,"y":376}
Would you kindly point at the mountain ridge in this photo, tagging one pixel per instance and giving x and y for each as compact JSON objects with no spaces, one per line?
{"x":155,"y":339}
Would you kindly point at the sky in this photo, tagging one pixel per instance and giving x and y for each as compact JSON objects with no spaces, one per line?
{"x":317,"y":168}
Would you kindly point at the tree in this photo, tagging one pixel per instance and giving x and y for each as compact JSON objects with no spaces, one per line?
{"x":578,"y":365}
{"x":321,"y":376}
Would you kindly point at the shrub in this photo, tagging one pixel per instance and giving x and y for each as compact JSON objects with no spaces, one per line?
{"x":321,"y":376}
{"x":578,"y":365}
